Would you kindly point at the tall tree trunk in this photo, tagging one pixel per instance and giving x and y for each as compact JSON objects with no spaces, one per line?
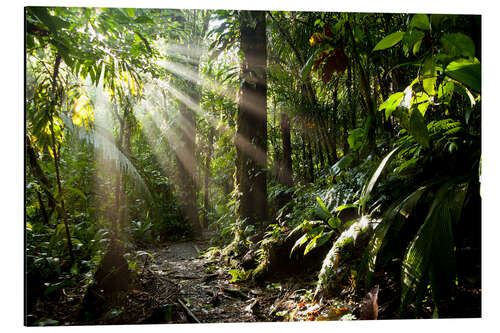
{"x":186,"y":166}
{"x":251,"y":131}
{"x":286,"y":173}
{"x":206,"y":201}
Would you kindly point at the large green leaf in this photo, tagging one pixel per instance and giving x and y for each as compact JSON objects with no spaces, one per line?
{"x":418,"y":128}
{"x":466,"y":72}
{"x":356,"y":138}
{"x":54,"y":23}
{"x":389,"y":41}
{"x":313,"y":243}
{"x":323,"y":207}
{"x":445,"y":91}
{"x":458,"y":45}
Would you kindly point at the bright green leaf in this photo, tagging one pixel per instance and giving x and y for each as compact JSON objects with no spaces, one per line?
{"x":391,"y":103}
{"x":356,"y":138}
{"x":389,"y":41}
{"x":130,"y":12}
{"x":445,"y":91}
{"x":334,"y":222}
{"x":323,"y":206}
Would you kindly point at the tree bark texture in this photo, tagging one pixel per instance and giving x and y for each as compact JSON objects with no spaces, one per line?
{"x":251,"y":132}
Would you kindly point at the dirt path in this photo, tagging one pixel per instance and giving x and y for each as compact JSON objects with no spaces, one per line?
{"x":200,"y":284}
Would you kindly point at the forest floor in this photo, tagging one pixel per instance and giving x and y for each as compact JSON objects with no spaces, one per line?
{"x":189,"y":282}
{"x":186,"y":283}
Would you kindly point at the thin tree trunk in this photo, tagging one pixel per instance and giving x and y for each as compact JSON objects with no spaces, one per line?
{"x":55,"y":152}
{"x":115,"y":222}
{"x":127,"y":132}
{"x":42,"y":208}
{"x":206,"y":201}
{"x":310,"y":159}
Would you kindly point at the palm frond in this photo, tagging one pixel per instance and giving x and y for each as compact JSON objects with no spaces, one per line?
{"x":365,"y":193}
{"x":401,"y":208}
{"x":104,"y":141}
{"x":431,"y":252}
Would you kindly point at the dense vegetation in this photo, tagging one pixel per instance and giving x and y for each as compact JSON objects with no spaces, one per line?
{"x":345,"y":147}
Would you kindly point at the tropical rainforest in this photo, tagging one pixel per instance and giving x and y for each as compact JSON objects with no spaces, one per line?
{"x":214,"y":166}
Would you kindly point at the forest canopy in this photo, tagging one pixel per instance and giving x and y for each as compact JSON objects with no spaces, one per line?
{"x":337,"y":152}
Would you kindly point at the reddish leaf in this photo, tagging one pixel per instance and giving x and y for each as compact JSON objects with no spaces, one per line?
{"x":336,"y":62}
{"x":328,"y":32}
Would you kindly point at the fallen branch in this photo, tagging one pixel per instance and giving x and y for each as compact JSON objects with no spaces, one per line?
{"x":188,"y":312}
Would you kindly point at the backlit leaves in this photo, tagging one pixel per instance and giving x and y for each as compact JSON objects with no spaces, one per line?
{"x":466,"y":72}
{"x":391,"y":103}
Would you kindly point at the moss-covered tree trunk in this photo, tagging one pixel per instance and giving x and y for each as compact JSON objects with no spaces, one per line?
{"x":251,"y":131}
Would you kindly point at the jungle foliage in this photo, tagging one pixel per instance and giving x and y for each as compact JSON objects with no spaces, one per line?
{"x":353,"y":140}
